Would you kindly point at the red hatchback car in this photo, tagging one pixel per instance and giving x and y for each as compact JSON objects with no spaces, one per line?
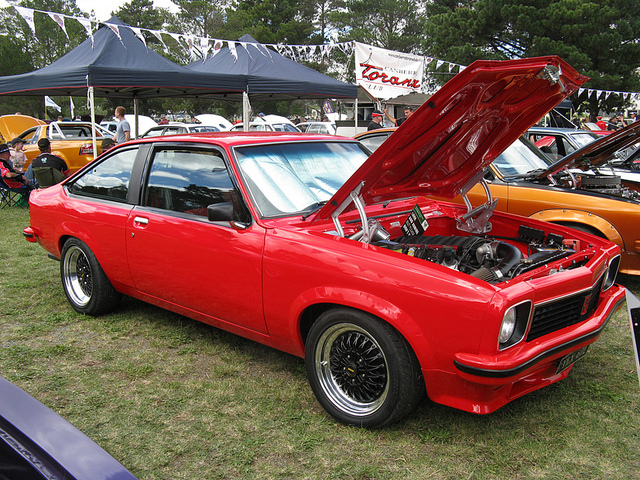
{"x":304,"y":243}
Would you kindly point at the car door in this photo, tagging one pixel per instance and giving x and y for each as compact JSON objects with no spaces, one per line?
{"x":177,"y":255}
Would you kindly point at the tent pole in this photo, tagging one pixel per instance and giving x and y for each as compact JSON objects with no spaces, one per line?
{"x":246,"y":106}
{"x":135,"y":112}
{"x":93,"y":122}
{"x":355,"y":116}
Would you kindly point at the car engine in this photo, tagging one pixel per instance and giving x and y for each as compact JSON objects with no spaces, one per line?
{"x":488,"y":258}
{"x":600,"y":183}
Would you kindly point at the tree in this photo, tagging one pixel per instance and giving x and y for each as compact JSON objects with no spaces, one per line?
{"x":391,"y":24}
{"x":142,"y":13}
{"x":284,"y":21}
{"x":600,"y":38}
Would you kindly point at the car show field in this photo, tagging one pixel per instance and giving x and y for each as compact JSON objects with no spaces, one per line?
{"x":170,"y":397}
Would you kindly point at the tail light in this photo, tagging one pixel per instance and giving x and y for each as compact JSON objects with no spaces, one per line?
{"x":86,"y":149}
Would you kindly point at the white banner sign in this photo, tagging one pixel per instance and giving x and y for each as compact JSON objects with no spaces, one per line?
{"x":387,"y":74}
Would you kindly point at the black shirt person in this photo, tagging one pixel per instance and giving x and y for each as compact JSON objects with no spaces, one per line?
{"x":48,"y":168}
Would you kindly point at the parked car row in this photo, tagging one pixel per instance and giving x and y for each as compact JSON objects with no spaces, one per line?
{"x":312,"y":245}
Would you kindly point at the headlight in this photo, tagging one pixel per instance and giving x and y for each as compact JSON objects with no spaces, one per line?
{"x":514,"y":325}
{"x":508,"y":325}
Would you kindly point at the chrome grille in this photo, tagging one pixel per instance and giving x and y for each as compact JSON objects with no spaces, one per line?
{"x":566,"y":311}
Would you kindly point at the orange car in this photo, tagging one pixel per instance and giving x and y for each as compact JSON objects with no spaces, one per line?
{"x":71,"y":141}
{"x":523,"y":183}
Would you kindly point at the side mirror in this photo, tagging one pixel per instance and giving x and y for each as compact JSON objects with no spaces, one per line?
{"x":224,"y":212}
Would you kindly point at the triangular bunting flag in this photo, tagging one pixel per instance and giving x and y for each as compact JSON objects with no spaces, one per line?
{"x":27,"y":14}
{"x":59,"y":19}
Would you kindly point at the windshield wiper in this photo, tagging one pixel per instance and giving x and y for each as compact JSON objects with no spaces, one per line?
{"x":313,"y":208}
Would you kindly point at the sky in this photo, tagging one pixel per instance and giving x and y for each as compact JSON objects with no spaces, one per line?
{"x":103,"y":8}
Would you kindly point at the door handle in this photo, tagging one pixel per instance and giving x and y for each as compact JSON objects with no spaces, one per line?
{"x":141,"y":220}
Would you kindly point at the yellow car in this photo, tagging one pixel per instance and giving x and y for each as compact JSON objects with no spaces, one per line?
{"x":524,"y":183}
{"x":71,"y":141}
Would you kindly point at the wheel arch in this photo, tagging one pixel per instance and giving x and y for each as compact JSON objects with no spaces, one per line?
{"x":382,"y":309}
{"x":592,"y":222}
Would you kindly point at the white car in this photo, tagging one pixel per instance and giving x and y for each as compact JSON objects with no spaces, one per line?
{"x":144,"y":124}
{"x":217,"y":120}
{"x":318,"y":127}
{"x":262,"y":126}
{"x":174,"y":128}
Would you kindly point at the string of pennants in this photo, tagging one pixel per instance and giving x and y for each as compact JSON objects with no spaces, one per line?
{"x":204,"y":47}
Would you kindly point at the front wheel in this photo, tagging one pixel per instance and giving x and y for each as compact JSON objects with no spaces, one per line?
{"x":361,"y":370}
{"x":88,"y":289}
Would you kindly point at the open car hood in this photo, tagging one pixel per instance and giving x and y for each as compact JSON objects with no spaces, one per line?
{"x":13,"y":125}
{"x":598,"y":152}
{"x":444,"y":146}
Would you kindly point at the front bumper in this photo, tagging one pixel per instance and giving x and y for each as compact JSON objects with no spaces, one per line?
{"x":484,"y":383}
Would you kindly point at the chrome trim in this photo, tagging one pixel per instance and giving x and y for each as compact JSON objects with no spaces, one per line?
{"x":577,"y":292}
{"x":526,"y":328}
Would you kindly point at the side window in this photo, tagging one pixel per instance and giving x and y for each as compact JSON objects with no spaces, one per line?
{"x":188,"y":181}
{"x":374,"y":141}
{"x":108,"y":179}
{"x":31,"y":136}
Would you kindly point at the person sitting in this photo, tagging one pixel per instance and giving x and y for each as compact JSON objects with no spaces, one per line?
{"x":48,"y":168}
{"x":18,"y":156}
{"x":12,"y":179}
{"x":107,"y":143}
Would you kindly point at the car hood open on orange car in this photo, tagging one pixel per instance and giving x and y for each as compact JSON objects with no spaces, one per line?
{"x":598,"y":152}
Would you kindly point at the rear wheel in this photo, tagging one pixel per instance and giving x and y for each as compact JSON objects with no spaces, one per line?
{"x":88,"y":289}
{"x":361,"y":370}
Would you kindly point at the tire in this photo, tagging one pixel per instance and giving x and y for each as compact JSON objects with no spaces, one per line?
{"x":583,"y":228}
{"x":361,"y":370}
{"x":88,"y":289}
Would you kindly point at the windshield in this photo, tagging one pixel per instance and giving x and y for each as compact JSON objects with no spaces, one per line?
{"x":583,"y":139}
{"x":288,"y":178}
{"x":520,"y":158}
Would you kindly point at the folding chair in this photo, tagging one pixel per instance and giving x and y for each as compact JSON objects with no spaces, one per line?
{"x":47,"y":176}
{"x":11,"y":197}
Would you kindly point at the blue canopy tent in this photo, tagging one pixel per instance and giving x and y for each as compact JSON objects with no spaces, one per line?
{"x":267,"y":75}
{"x":120,"y":67}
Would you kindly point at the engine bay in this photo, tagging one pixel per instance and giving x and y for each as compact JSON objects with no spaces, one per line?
{"x":485,"y":257}
{"x":464,"y":241}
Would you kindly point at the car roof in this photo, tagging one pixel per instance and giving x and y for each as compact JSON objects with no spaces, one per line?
{"x":241,"y":138}
{"x":559,"y":130}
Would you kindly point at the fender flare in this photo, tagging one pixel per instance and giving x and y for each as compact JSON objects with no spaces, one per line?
{"x":330,"y":297}
{"x":561,"y":215}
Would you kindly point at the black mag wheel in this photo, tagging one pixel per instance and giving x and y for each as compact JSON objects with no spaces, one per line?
{"x":88,"y":289}
{"x":361,"y":370}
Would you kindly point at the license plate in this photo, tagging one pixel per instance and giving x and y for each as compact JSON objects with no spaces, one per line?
{"x":573,"y":357}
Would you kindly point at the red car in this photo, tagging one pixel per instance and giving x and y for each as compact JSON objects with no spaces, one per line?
{"x":304,"y":243}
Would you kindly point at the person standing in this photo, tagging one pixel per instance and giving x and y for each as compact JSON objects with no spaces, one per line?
{"x":123,"y":130}
{"x":408,"y":111}
{"x":376,"y":121}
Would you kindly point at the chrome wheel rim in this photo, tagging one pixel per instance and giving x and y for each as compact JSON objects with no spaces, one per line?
{"x":78,"y":278}
{"x":352,"y":369}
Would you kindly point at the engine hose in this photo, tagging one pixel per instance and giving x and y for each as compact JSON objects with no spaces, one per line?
{"x":510,"y":257}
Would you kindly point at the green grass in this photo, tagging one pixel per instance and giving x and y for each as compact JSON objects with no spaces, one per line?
{"x":172,"y":398}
